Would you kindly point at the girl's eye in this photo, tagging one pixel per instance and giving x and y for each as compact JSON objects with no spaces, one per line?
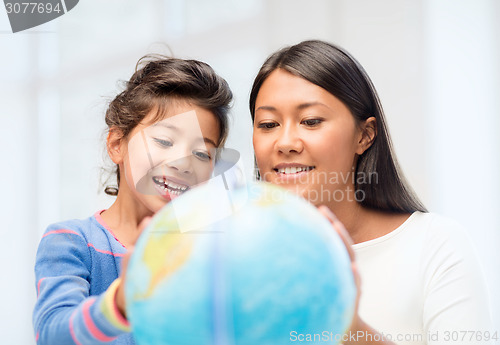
{"x":202,"y":155}
{"x":163,"y":142}
{"x":267,"y":125}
{"x":312,"y":122}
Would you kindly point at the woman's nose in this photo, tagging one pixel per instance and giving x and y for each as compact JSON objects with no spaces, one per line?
{"x":289,"y":140}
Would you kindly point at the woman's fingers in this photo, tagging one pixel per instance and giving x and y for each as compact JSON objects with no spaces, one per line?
{"x":140,"y":228}
{"x":344,"y":235}
{"x":339,"y":227}
{"x":144,"y":222}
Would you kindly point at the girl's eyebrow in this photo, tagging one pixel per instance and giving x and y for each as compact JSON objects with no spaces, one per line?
{"x":170,"y":126}
{"x":166,"y":125}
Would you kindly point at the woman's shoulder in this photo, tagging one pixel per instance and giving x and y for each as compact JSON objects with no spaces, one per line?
{"x":438,"y":234}
{"x":446,"y":243}
{"x":443,"y":248}
{"x":430,"y":231}
{"x":438,"y":228}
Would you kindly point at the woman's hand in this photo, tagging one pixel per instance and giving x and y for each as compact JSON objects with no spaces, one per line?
{"x":120,"y":292}
{"x":344,"y":235}
{"x":364,"y":334}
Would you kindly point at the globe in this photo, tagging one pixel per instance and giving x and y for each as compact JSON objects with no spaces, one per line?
{"x":253,"y":265}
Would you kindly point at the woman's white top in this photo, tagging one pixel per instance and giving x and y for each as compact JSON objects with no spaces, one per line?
{"x":422,"y":284}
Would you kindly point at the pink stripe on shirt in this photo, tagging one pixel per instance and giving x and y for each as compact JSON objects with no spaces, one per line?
{"x":38,"y":286}
{"x":71,"y":329}
{"x":61,"y":231}
{"x":101,"y":221}
{"x":96,"y":333}
{"x":105,"y":251}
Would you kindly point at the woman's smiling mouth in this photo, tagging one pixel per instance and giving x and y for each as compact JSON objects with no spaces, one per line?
{"x":293,"y":169}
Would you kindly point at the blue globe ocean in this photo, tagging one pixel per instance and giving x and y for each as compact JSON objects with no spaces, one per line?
{"x":255,"y":265}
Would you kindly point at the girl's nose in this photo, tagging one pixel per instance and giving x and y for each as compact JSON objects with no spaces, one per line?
{"x":182,"y":165}
{"x":289,"y":140}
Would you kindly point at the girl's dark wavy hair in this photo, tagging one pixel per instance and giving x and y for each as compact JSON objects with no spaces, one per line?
{"x":157,"y":81}
{"x":336,"y":71}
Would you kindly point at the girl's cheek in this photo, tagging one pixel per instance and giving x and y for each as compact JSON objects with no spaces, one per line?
{"x":138,"y":160}
{"x":205,"y":172}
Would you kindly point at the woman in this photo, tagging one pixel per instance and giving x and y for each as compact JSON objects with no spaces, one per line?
{"x":319,"y":131}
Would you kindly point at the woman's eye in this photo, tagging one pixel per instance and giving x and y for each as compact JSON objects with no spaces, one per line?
{"x":202,"y":155}
{"x":163,"y":142}
{"x":267,"y":125}
{"x":312,"y":122}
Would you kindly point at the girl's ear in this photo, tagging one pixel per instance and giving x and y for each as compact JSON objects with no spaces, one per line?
{"x":368,"y":135}
{"x":114,"y":143}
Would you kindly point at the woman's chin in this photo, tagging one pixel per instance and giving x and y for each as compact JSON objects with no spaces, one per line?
{"x":297,"y":189}
{"x":311,"y":195}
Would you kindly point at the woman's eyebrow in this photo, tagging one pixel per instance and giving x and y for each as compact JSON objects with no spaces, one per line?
{"x":266,"y":107}
{"x":209,"y":141}
{"x":300,"y":106}
{"x":310,"y":104}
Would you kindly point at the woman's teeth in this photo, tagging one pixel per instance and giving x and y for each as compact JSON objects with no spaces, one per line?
{"x":293,"y":170}
{"x":170,"y":186}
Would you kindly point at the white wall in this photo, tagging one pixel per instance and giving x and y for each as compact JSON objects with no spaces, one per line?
{"x":462,"y":86}
{"x":434,"y":63}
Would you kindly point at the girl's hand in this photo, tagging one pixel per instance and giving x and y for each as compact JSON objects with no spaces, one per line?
{"x":120,"y":292}
{"x":344,"y":235}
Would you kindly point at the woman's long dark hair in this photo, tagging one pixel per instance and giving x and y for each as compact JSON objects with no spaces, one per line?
{"x":336,"y":71}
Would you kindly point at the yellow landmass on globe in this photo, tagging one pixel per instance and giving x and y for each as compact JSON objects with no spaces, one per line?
{"x":163,"y":255}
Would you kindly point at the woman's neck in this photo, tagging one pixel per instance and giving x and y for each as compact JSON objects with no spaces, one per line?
{"x":364,"y":224}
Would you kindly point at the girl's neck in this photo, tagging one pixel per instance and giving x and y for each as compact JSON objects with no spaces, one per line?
{"x":124,"y":216}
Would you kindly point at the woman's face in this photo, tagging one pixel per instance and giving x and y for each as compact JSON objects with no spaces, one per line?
{"x":167,"y":158}
{"x":305,"y":139}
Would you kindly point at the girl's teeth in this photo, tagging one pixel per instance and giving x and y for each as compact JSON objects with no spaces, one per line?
{"x":176,"y":186}
{"x":170,"y":186}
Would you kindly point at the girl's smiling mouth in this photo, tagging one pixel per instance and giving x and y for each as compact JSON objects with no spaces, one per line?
{"x":168,"y":188}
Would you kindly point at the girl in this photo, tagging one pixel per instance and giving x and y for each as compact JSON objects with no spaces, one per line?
{"x":319,"y":130}
{"x":163,"y":132}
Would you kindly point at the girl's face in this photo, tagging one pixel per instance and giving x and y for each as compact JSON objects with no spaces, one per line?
{"x":169,"y":157}
{"x":305,"y":139}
